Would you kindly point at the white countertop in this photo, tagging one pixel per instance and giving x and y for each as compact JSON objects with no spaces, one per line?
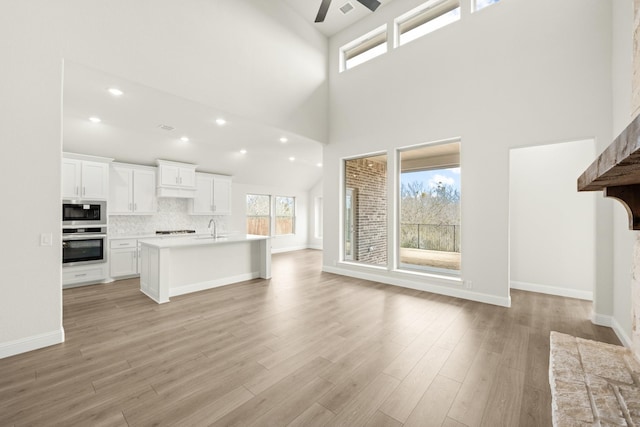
{"x":199,"y":240}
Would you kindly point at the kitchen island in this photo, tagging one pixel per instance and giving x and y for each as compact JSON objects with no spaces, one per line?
{"x":181,"y":265}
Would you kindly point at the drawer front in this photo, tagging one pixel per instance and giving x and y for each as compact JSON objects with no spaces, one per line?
{"x":88,"y":274}
{"x":123,"y":243}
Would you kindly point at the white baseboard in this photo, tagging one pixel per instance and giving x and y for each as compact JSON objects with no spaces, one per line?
{"x":35,"y":342}
{"x":421,"y":284}
{"x":210,"y":284}
{"x":611,"y":322}
{"x":316,"y":247}
{"x":552,"y":290}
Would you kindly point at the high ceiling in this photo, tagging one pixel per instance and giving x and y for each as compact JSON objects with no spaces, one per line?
{"x":129,"y":132}
{"x":335,"y":21}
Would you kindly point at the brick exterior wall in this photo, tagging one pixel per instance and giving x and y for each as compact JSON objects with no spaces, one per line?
{"x":370,"y":185}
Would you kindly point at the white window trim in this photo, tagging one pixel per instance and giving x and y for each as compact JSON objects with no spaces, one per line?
{"x":371,"y":35}
{"x":293,"y":217}
{"x":415,"y":12}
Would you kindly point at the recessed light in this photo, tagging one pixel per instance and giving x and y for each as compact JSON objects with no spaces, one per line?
{"x":184,"y":139}
{"x":94,"y":119}
{"x":284,"y":140}
{"x":292,"y":158}
{"x":243,"y":151}
{"x":319,"y":165}
{"x":115,"y":91}
{"x":221,"y":122}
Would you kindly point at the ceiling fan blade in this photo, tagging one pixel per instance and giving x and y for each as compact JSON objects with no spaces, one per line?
{"x":372,"y":5}
{"x":322,"y":13}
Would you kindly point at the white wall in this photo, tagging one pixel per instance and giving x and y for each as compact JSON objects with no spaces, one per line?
{"x":315,"y":197}
{"x":285,"y":243}
{"x":256,"y":59}
{"x":518,"y":73}
{"x":623,"y":238}
{"x":552,"y":226}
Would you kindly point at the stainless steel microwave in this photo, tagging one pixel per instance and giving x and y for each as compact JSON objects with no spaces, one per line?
{"x":84,"y":212}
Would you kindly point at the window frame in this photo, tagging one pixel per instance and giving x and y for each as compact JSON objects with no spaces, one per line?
{"x":259,"y":216}
{"x":424,"y":270}
{"x":292,"y":216}
{"x":422,"y":15}
{"x":343,"y":259}
{"x":371,"y":40}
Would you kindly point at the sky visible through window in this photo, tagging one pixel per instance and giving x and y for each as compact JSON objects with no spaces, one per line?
{"x":433,"y":178}
{"x":481,"y":4}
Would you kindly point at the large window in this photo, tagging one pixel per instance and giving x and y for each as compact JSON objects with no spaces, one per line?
{"x":430,"y":195}
{"x":258,"y":214}
{"x":425,"y":19}
{"x":285,"y":215}
{"x":365,"y":210}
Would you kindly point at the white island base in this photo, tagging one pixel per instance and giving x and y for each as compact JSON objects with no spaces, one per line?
{"x":171,"y":267}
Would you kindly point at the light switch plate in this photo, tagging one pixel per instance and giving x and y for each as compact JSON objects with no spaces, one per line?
{"x":46,"y":239}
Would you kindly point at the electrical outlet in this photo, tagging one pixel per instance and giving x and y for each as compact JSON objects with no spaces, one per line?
{"x":468,"y":284}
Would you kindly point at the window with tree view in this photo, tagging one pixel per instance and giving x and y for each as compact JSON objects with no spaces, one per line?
{"x":429,"y":236}
{"x":285,"y":215}
{"x":258,"y":214}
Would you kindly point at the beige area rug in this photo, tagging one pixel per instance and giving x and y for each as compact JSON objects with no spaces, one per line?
{"x":439,"y":259}
{"x":593,"y":383}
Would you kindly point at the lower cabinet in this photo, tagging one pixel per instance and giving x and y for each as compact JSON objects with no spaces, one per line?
{"x":123,"y":258}
{"x":80,"y":275}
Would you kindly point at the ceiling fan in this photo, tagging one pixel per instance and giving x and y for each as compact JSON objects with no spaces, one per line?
{"x":372,"y":5}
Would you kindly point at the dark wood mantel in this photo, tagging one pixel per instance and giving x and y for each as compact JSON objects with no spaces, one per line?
{"x":617,"y":172}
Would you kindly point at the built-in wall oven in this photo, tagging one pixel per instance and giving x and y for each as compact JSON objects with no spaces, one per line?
{"x":84,"y":245}
{"x":84,"y":213}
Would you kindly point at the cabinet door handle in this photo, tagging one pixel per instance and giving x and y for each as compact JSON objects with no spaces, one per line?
{"x":214,"y":208}
{"x":77,"y":189}
{"x":81,"y":275}
{"x":135,"y":207}
{"x":84,"y":190}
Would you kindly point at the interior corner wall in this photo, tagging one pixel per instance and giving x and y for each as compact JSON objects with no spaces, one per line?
{"x":552,"y":226}
{"x":623,"y":238}
{"x":255,"y":59}
{"x":497,"y":79}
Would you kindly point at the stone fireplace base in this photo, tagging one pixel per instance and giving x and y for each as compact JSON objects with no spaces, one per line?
{"x":593,"y":383}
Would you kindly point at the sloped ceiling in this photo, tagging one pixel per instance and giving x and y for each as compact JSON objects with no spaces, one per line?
{"x":129,"y":132}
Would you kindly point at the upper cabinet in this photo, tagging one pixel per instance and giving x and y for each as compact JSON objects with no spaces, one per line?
{"x":176,"y":179}
{"x":212,"y":195}
{"x":83,"y":178}
{"x":132,"y":190}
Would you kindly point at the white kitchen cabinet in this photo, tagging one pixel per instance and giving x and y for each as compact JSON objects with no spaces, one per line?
{"x":176,"y":179}
{"x":212,"y":195}
{"x":85,"y":179}
{"x":83,"y":275}
{"x":132,"y":190}
{"x":123,"y":257}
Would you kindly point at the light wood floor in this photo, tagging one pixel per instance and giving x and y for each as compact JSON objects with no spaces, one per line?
{"x":303,"y":349}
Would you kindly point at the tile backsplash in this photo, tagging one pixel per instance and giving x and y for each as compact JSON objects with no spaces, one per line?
{"x":173,"y":214}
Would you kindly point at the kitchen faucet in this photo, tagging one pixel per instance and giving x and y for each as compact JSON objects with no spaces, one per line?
{"x":214,"y":229}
